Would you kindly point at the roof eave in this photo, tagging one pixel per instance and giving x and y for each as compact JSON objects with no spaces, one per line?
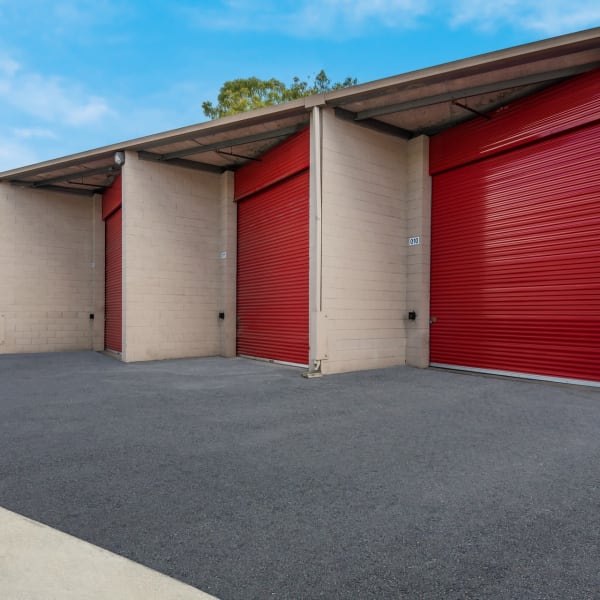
{"x":499,"y":59}
{"x":262,"y":115}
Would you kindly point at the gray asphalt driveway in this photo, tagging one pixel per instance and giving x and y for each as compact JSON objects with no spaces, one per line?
{"x":248,"y":481}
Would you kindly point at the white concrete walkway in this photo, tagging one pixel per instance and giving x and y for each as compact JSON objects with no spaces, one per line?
{"x":41,"y":563}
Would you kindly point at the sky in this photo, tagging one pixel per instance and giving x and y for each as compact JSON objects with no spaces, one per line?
{"x":81,"y":74}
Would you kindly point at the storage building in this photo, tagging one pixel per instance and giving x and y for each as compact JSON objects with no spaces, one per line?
{"x":447,"y":216}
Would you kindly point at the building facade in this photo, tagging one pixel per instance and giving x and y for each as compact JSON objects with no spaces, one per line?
{"x":444,"y":217}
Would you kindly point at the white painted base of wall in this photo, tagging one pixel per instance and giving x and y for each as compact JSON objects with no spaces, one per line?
{"x":518,"y":375}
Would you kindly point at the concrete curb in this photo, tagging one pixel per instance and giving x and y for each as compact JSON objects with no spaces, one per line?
{"x":41,"y":563}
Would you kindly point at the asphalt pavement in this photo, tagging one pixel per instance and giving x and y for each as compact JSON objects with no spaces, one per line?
{"x":248,"y":481}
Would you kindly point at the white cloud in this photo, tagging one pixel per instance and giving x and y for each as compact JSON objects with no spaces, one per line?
{"x":71,"y":13}
{"x":49,"y":98}
{"x":328,"y":15}
{"x":311,"y":18}
{"x":8,"y":66}
{"x":343,"y":18}
{"x":14,"y":154}
{"x":26,"y":133}
{"x":550,"y":17}
{"x":44,"y":114}
{"x":76,"y":18}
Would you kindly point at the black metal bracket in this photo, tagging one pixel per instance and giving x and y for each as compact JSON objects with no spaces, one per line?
{"x":472,"y":110}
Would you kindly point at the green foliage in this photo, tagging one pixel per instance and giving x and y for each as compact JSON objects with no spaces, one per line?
{"x":240,"y":95}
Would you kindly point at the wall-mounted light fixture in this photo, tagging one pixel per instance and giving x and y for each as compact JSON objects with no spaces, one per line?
{"x":119,"y":158}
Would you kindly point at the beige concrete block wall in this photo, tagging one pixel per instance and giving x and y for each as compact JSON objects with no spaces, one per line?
{"x":51,"y":271}
{"x":364,"y":247}
{"x":418,"y":198}
{"x":172,"y":240}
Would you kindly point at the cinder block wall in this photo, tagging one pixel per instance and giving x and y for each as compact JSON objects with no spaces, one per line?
{"x":51,"y":271}
{"x":418,"y":199}
{"x":172,"y":244}
{"x":364,"y":247}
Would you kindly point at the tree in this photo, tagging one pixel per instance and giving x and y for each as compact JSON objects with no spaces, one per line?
{"x":240,"y":95}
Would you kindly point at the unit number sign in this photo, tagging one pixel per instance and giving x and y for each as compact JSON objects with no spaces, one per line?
{"x":414,"y":241}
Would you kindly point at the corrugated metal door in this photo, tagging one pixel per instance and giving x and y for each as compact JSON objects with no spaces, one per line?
{"x":113,"y":313}
{"x":515,"y":273}
{"x":273,"y":254}
{"x":113,"y":303}
{"x":559,"y":108}
{"x":276,"y":165}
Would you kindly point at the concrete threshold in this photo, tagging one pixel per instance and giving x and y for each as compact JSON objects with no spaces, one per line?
{"x":41,"y":563}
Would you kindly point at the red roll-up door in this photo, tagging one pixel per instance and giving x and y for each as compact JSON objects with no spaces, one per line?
{"x":113,"y":302}
{"x":273,"y":255}
{"x":111,"y":203}
{"x":515,"y":266}
{"x":272,"y":305}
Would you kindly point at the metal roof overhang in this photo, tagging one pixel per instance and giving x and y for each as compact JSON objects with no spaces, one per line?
{"x":421,"y":102}
{"x":214,"y":146}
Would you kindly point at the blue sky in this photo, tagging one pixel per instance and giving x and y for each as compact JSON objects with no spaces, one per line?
{"x":79,"y":74}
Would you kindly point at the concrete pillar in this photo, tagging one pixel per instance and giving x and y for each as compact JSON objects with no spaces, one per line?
{"x":419,"y":255}
{"x":318,"y":324}
{"x":228,"y":262}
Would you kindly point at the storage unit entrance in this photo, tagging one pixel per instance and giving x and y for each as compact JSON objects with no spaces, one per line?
{"x":515,"y":274}
{"x":273,"y":253}
{"x":113,"y":308}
